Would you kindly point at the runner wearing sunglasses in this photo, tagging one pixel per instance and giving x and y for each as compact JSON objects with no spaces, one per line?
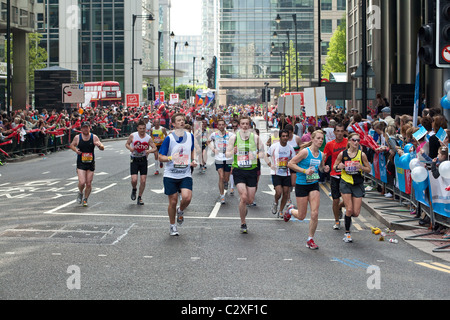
{"x":352,"y":162}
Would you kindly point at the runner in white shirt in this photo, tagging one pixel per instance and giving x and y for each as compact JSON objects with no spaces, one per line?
{"x":178,"y":151}
{"x":280,"y":154}
{"x":218,"y":142}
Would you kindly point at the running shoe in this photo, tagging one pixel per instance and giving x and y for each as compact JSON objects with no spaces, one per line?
{"x":156,"y":172}
{"x":174,"y":230}
{"x":274,"y":208}
{"x":133,"y":194}
{"x":347,"y":238}
{"x":80,"y":198}
{"x":85,"y":202}
{"x":244,"y":228}
{"x":222,"y":199}
{"x":161,"y":165}
{"x":232,"y":192}
{"x":139,"y":201}
{"x":312,"y":245}
{"x":337,"y":225}
{"x":180,"y":216}
{"x":252,"y":204}
{"x":287,"y":214}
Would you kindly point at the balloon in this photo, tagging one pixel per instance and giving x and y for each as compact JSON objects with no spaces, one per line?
{"x":447,"y":86}
{"x":444,"y":169}
{"x":408,"y":147}
{"x":404,"y":161}
{"x":414,"y":163}
{"x":419,"y":174}
{"x":445,"y":103}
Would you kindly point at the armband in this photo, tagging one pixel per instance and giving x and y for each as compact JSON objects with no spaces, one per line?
{"x":169,"y":158}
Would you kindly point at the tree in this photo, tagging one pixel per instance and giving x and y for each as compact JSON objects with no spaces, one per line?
{"x":337,"y":51}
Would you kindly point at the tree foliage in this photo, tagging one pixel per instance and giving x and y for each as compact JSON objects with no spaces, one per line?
{"x":337,"y":51}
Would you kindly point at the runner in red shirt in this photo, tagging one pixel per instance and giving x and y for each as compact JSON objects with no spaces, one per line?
{"x":333,"y":148}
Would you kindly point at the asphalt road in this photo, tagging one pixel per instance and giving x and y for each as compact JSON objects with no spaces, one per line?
{"x":52,"y":248}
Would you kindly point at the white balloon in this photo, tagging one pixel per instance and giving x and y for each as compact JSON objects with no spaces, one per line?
{"x":444,"y":169}
{"x":419,"y":174}
{"x":414,"y":163}
{"x":447,"y":86}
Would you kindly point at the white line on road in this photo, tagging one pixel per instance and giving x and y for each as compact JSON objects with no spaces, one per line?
{"x":215,"y":211}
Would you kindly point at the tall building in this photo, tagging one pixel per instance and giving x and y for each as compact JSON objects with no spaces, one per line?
{"x":22,"y":22}
{"x":252,"y":45}
{"x":96,"y":38}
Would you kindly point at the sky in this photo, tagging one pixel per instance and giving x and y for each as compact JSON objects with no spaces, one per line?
{"x":185,"y":17}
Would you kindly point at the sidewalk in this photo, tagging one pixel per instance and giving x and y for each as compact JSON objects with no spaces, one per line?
{"x":397,"y":217}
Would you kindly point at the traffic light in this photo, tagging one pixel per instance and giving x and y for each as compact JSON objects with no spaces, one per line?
{"x":266,"y":95}
{"x":427,"y":50}
{"x":443,"y":33}
{"x":187,"y":94}
{"x":151,"y":93}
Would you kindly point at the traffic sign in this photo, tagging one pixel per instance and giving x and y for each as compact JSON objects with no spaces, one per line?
{"x":73,"y":93}
{"x":132,"y":100}
{"x":160,"y":96}
{"x":446,"y":54}
{"x":174,"y":98}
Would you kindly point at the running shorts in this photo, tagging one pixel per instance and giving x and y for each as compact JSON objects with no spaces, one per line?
{"x":248,"y":177}
{"x":172,"y":186}
{"x":303,"y":190}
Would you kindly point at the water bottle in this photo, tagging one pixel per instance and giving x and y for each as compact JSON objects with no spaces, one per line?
{"x":393,"y":240}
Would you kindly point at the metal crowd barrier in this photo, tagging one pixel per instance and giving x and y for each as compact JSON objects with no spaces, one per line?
{"x":39,"y":143}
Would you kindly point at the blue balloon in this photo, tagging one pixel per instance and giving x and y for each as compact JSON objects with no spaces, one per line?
{"x":404,"y":161}
{"x":445,"y":103}
{"x":407,"y":147}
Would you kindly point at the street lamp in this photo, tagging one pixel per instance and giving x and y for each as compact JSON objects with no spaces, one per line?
{"x":294,"y":18}
{"x":174,"y":63}
{"x":149,"y":17}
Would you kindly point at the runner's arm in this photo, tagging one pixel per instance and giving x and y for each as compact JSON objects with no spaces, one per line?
{"x":293,"y":163}
{"x":74,"y":145}
{"x":153,"y":147}
{"x":98,"y":143}
{"x":129,"y":142}
{"x":366,"y":165}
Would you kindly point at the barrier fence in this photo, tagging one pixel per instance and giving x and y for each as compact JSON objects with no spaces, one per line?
{"x":416,"y":191}
{"x":40,"y":142}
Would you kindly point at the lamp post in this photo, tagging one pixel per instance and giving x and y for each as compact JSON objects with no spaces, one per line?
{"x":159,"y":61}
{"x":149,"y":18}
{"x":294,"y":18}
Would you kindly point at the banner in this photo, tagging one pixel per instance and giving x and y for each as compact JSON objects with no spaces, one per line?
{"x":440,"y":197}
{"x":379,"y":167}
{"x":402,"y":178}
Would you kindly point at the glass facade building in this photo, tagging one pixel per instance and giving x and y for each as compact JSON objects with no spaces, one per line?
{"x":250,"y":55}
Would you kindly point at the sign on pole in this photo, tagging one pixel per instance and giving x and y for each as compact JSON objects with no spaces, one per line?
{"x":132,"y":100}
{"x":73,"y":93}
{"x":160,"y":96}
{"x":315,"y":102}
{"x":174,"y":98}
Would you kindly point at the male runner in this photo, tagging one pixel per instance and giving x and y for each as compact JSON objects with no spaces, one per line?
{"x":245,"y":146}
{"x":158,"y":134}
{"x":333,"y":148}
{"x":83,"y":145}
{"x":280,"y":154}
{"x":139,"y":144}
{"x":178,"y":151}
{"x":219,"y":140}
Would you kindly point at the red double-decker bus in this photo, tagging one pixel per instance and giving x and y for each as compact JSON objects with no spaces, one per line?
{"x":103,"y":92}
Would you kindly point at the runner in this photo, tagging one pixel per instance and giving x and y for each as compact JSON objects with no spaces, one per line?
{"x":280,"y":154}
{"x":158,"y":134}
{"x":352,"y":162}
{"x":83,"y":145}
{"x":333,"y":149}
{"x":219,"y":140}
{"x":139,"y":144}
{"x":234,"y":129}
{"x":178,"y":151}
{"x":307,"y":164}
{"x":295,"y":142}
{"x":245,"y":146}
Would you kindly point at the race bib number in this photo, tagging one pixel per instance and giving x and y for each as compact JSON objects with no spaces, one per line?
{"x":351,"y":167}
{"x":314,"y":177}
{"x":87,"y":157}
{"x":282,"y":163}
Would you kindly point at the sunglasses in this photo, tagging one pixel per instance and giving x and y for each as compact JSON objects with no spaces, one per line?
{"x":356,"y":140}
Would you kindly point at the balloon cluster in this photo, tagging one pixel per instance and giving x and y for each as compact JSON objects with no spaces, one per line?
{"x":445,"y":101}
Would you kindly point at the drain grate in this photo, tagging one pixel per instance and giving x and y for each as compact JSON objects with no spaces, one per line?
{"x":79,"y":233}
